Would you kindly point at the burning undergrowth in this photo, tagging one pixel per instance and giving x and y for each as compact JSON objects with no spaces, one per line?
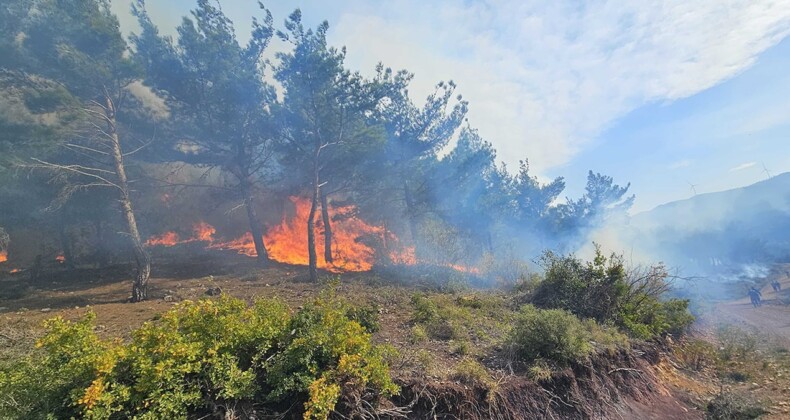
{"x":354,"y":245}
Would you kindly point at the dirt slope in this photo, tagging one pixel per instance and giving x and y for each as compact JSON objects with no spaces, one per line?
{"x":772,"y":318}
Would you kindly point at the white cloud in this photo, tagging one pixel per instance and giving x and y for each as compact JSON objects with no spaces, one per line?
{"x":544,"y":78}
{"x":685,"y":163}
{"x":743,"y":166}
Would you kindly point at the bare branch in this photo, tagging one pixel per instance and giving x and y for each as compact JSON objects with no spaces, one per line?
{"x":77,"y":169}
{"x":90,"y":149}
{"x":139,"y":148}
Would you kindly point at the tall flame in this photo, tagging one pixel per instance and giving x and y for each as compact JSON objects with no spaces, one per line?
{"x":286,"y":242}
{"x":3,"y":256}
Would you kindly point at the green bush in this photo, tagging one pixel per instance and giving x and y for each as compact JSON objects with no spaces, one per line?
{"x":652,"y":318}
{"x":47,"y":383}
{"x":440,"y":323}
{"x":366,"y":316}
{"x":199,"y":357}
{"x":425,"y":309}
{"x":417,"y":334}
{"x":593,"y":289}
{"x":605,"y":291}
{"x":551,"y":334}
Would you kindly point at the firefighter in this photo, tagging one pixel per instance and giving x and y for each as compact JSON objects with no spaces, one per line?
{"x":755,"y":296}
{"x":776,"y":285}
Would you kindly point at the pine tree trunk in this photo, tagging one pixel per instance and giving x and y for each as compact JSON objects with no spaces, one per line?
{"x":327,"y":229}
{"x":313,"y":258}
{"x":142,"y":259}
{"x":65,"y":242}
{"x":255,"y":227}
{"x":411,"y":213}
{"x":102,"y":257}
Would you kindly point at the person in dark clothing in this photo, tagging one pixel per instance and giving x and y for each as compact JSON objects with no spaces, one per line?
{"x":755,"y":296}
{"x":776,"y":285}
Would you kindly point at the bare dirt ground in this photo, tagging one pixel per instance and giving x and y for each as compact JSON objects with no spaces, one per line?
{"x":772,"y":318}
{"x":768,"y":375}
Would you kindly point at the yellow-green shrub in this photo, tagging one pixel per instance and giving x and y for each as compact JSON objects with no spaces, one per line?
{"x":196,"y":358}
{"x":50,"y":382}
{"x":323,"y":348}
{"x":551,"y":334}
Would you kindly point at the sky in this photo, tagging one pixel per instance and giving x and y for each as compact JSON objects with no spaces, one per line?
{"x":675,"y":97}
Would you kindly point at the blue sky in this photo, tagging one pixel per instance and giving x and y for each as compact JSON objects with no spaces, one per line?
{"x":661,"y":94}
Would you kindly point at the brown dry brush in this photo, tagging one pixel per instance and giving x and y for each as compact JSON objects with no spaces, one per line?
{"x":600,"y":388}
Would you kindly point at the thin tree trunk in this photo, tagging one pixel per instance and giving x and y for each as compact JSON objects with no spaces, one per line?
{"x":312,"y":256}
{"x":142,"y":259}
{"x":327,"y":229}
{"x":65,"y":242}
{"x":101,"y":250}
{"x":255,"y":227}
{"x":411,"y":213}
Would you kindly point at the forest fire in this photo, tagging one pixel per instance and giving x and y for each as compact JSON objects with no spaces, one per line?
{"x":3,"y":256}
{"x":287,"y":241}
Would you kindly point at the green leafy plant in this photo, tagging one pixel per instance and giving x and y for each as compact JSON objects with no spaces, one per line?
{"x":551,"y":334}
{"x":199,"y":359}
{"x":604,"y":290}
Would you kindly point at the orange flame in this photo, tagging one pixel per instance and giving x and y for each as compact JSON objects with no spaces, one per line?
{"x":405,"y":256}
{"x":464,"y":269}
{"x":15,"y":270}
{"x":287,"y":241}
{"x":60,"y":259}
{"x":3,"y":256}
{"x":165,"y":239}
{"x":203,"y":232}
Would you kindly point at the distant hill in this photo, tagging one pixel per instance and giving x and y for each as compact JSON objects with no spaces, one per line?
{"x":711,"y":209}
{"x":743,"y":229}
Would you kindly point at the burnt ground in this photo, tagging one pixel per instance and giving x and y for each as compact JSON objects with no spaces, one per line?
{"x":662,"y":391}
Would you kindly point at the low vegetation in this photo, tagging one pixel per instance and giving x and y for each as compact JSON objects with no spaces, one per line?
{"x":605,"y":290}
{"x":222,"y":357}
{"x":208,"y":357}
{"x":558,"y":336}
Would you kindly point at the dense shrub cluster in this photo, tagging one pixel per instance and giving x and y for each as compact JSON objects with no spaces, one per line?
{"x":605,"y":291}
{"x":202,"y":358}
{"x":558,"y":336}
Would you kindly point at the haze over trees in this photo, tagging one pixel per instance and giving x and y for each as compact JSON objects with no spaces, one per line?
{"x":85,"y":108}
